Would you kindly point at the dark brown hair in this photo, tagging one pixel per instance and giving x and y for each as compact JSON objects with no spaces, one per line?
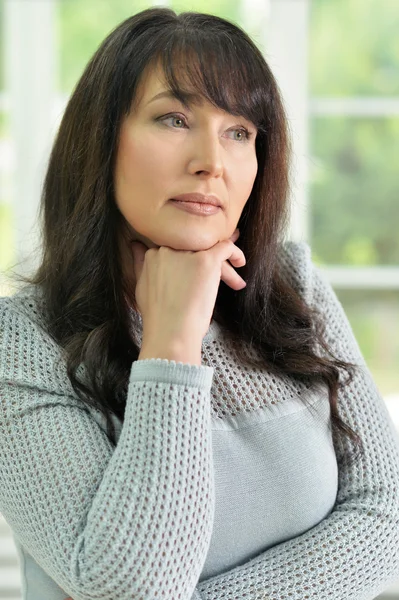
{"x":80,"y":274}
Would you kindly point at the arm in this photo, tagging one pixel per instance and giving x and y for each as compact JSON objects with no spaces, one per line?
{"x":353,"y":554}
{"x":105,"y":522}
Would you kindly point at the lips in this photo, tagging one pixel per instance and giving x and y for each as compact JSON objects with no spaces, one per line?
{"x":199,"y":198}
{"x":197,"y":208}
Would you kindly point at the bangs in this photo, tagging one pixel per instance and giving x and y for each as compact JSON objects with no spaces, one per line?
{"x":213,"y":69}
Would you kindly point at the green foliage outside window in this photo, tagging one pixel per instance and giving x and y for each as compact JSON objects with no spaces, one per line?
{"x":82,"y":26}
{"x":374,"y":318}
{"x":355,"y":190}
{"x":354,"y":48}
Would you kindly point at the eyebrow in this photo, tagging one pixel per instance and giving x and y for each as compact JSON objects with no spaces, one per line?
{"x":188,"y":98}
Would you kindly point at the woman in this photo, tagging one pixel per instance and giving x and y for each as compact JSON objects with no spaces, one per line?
{"x":171,"y":428}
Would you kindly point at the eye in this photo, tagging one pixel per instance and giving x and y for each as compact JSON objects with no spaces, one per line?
{"x":243,"y":131}
{"x":175,"y":116}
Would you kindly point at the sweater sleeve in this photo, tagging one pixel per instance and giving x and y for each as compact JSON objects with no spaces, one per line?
{"x":353,"y":554}
{"x":105,"y":522}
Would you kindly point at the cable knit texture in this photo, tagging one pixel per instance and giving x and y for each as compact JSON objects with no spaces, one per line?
{"x":223,"y":483}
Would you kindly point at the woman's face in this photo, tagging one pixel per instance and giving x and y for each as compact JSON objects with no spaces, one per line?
{"x":166,"y":150}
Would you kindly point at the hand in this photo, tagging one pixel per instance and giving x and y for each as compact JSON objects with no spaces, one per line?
{"x":176,"y":290}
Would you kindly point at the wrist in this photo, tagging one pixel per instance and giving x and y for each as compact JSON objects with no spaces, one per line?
{"x":174,"y":351}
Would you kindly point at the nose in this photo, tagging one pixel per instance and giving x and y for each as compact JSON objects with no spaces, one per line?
{"x":206,"y":158}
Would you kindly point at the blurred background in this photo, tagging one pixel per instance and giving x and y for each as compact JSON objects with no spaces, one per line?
{"x":337,"y":64}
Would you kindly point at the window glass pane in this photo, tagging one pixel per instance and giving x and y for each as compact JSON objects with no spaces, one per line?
{"x":7,"y":243}
{"x":253,"y":20}
{"x":354,"y":48}
{"x":374,"y":317}
{"x":227,"y":9}
{"x":7,"y":250}
{"x":354,"y":190}
{"x":82,"y":26}
{"x":80,"y":34}
{"x":4,"y":127}
{"x":2,"y":49}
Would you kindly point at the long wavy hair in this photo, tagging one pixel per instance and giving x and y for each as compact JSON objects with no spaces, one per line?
{"x":81,"y":275}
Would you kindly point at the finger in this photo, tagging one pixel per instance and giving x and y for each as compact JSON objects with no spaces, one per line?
{"x":227,"y":250}
{"x":231,"y":277}
{"x":237,"y":258}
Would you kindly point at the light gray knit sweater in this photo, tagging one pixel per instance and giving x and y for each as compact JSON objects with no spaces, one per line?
{"x":223,"y":484}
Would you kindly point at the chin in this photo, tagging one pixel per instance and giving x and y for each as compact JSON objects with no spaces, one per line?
{"x":181,"y":240}
{"x":193,"y":242}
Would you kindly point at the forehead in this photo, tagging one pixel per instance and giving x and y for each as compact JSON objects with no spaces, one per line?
{"x":153,"y":83}
{"x":152,"y":80}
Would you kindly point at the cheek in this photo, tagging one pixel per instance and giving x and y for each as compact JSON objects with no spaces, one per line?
{"x":245,"y":178}
{"x":135,"y":159}
{"x":253,"y":169}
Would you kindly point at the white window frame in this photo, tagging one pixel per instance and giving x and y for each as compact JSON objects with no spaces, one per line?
{"x":287,"y":53}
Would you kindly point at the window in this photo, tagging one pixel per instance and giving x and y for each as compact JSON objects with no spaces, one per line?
{"x":353,"y":184}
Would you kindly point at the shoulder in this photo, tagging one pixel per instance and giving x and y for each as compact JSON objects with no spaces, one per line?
{"x":29,"y":355}
{"x":24,"y":306}
{"x":294,"y":262}
{"x":33,"y":364}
